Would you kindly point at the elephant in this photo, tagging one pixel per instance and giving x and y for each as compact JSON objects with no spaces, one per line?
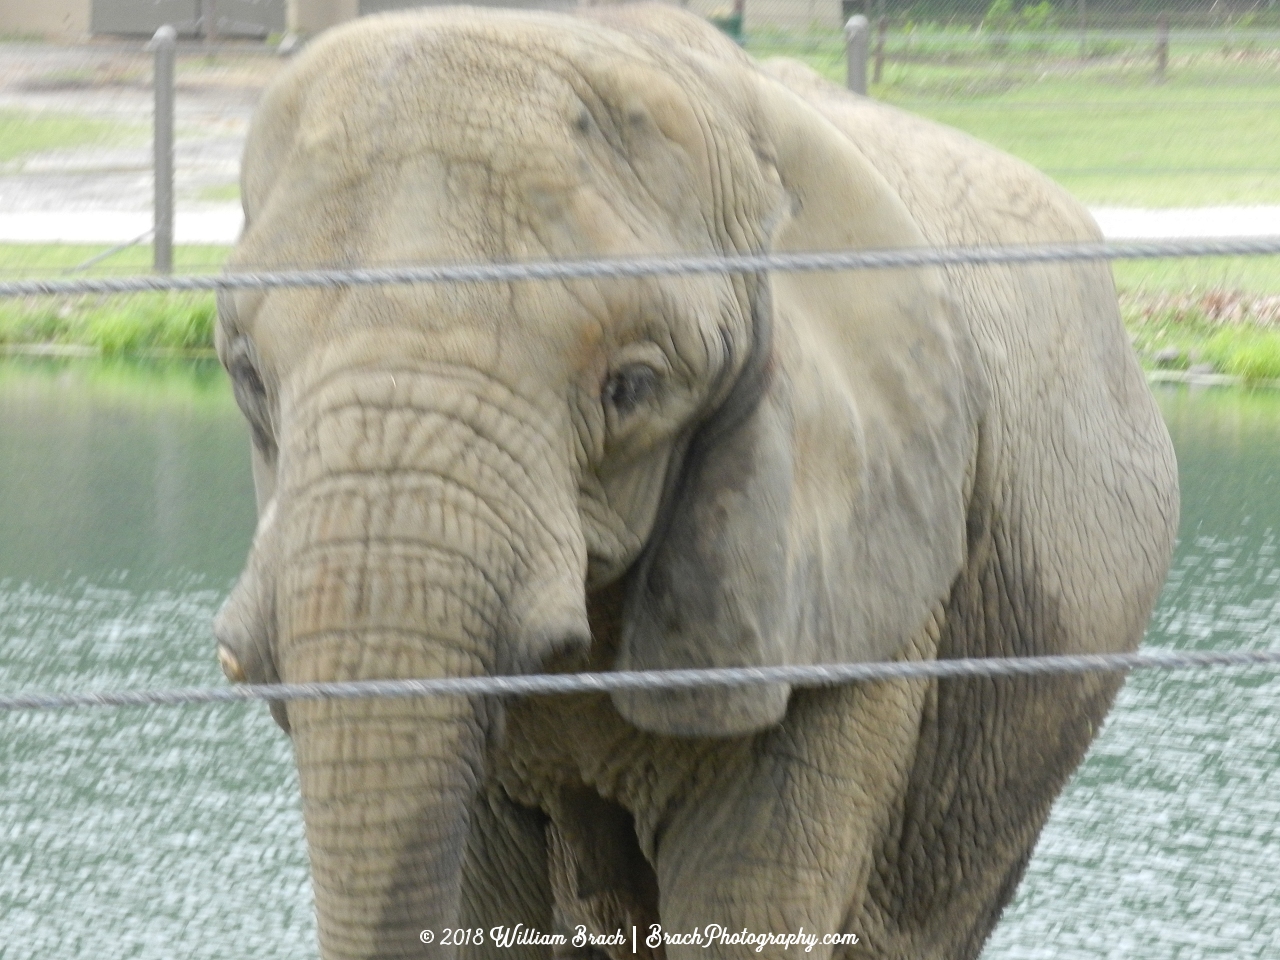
{"x":656,"y":472}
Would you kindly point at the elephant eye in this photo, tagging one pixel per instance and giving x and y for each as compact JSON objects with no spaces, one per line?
{"x":251,"y":395}
{"x":628,"y":388}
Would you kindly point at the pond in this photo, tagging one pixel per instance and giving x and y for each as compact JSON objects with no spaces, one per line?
{"x":126,"y":509}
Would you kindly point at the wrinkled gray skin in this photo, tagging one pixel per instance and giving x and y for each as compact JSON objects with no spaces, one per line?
{"x":671,"y":472}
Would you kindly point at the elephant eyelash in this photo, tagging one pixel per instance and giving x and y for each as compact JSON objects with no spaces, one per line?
{"x":626,"y":389}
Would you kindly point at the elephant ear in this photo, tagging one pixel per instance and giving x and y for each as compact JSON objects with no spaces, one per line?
{"x":710,"y":590}
{"x":819,"y":514}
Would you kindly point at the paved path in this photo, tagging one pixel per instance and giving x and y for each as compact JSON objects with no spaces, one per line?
{"x":1121,"y":223}
{"x":217,"y":226}
{"x":220,"y":224}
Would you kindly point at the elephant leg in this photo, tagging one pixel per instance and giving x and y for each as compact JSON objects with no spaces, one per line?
{"x":504,"y":878}
{"x":780,"y":837}
{"x":602,"y":882}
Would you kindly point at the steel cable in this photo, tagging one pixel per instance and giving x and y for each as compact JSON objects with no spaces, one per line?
{"x":819,"y":675}
{"x":652,"y":266}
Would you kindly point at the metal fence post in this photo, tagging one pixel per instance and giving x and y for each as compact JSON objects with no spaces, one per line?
{"x":163,"y":44}
{"x":1162,"y":44}
{"x":203,"y":19}
{"x":882,"y":27}
{"x":855,"y":38}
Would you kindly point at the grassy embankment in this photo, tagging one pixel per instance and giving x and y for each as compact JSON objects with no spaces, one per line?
{"x":1209,"y":134}
{"x":111,"y":325}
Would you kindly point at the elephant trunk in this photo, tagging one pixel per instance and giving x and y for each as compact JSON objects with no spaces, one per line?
{"x":386,"y":790}
{"x":414,"y":545}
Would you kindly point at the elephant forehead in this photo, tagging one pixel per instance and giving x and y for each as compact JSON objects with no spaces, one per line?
{"x":445,"y":137}
{"x":519,"y":110}
{"x":502,"y":90}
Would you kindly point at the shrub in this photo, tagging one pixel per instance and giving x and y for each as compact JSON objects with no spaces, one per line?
{"x":1007,"y":16}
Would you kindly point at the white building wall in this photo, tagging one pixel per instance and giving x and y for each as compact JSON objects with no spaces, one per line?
{"x":54,"y":19}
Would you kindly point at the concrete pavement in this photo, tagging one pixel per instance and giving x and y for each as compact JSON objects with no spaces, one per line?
{"x":220,"y":224}
{"x":215,"y":226}
{"x":1127,"y":223}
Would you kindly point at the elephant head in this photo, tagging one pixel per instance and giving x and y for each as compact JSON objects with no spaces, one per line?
{"x":772,"y":469}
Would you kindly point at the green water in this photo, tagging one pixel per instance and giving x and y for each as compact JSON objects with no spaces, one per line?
{"x":126,"y":508}
{"x":125,"y":512}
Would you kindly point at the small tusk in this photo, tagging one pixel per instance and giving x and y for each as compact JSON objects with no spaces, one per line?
{"x":230,"y":665}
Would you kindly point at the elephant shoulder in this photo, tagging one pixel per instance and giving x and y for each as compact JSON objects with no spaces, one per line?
{"x":1042,"y":330}
{"x":959,"y":189}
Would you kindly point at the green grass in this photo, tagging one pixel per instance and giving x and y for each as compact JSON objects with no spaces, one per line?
{"x":44,"y":259}
{"x":1247,"y":275}
{"x":23,"y":132}
{"x":121,"y":324}
{"x":1214,"y":332}
{"x":114,"y":325}
{"x":1209,"y":134}
{"x":1253,"y":355}
{"x":221,"y":193}
{"x":1166,"y":146}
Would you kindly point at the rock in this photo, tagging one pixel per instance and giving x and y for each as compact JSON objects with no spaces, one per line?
{"x":1168,"y":356}
{"x":1202,"y":368}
